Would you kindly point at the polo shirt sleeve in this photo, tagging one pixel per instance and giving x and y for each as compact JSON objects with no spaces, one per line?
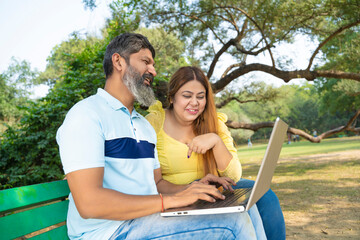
{"x":81,"y":140}
{"x":156,"y":160}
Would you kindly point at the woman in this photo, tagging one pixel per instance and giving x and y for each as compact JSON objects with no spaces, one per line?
{"x":193,"y":139}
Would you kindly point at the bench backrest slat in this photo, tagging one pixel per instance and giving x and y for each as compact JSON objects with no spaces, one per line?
{"x":28,"y":209}
{"x":22,"y":223}
{"x":17,"y":198}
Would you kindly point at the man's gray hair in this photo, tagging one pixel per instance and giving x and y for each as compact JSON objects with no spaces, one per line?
{"x":125,"y":44}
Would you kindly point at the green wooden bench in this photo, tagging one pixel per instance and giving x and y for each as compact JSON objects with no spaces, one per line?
{"x":36,"y":211}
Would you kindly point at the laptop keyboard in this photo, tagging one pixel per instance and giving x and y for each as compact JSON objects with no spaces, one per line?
{"x":230,"y":199}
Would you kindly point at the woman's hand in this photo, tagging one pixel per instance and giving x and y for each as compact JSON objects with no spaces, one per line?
{"x":225,"y":182}
{"x":202,"y":143}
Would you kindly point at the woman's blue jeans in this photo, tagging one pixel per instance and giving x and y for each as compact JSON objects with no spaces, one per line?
{"x":270,"y":212}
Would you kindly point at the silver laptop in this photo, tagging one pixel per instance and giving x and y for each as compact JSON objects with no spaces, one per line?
{"x":244,"y":198}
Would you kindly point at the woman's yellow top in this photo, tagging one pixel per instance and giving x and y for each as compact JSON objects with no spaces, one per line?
{"x":175,"y":166}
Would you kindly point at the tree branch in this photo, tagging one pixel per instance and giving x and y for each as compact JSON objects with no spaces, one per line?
{"x":249,"y":126}
{"x":284,"y":75}
{"x":244,"y":51}
{"x":172,"y":14}
{"x":328,"y":39}
{"x":336,"y":74}
{"x":231,"y":67}
{"x":258,"y":27}
{"x":224,"y":49}
{"x":203,"y":22}
{"x":229,"y":21}
{"x":217,"y":56}
{"x":234,"y":42}
{"x":256,"y":126}
{"x":226,"y":101}
{"x":233,"y":22}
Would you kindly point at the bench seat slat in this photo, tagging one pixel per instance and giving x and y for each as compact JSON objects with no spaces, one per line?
{"x":59,"y":233}
{"x":17,"y":198}
{"x":29,"y":221}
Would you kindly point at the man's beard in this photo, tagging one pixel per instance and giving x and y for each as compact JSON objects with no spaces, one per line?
{"x":135,"y":83}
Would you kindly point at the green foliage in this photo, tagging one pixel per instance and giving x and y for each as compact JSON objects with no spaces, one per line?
{"x":14,"y":84}
{"x":260,"y":111}
{"x":204,"y":25}
{"x":299,"y":105}
{"x":303,"y":107}
{"x":249,"y":106}
{"x":251,"y":92}
{"x":61,"y":55}
{"x":120,"y":19}
{"x":341,"y":53}
{"x":29,"y":152}
{"x":235,"y":113}
{"x":89,"y":4}
{"x":334,"y":98}
{"x":169,"y":50}
{"x":305,"y":112}
{"x":350,"y":88}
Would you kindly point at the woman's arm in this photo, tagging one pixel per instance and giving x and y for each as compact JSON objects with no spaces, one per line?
{"x":166,"y":187}
{"x":233,"y":170}
{"x":225,"y":153}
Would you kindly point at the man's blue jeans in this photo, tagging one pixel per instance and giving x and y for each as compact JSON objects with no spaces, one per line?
{"x":222,"y":226}
{"x":270,"y":212}
{"x":216,"y":226}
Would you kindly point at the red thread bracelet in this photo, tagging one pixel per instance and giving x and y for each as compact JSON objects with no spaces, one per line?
{"x":162,"y":202}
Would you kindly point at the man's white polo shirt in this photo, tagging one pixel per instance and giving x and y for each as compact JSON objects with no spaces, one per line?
{"x":100,"y":132}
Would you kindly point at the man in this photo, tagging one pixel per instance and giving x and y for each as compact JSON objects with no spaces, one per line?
{"x":109,"y":156}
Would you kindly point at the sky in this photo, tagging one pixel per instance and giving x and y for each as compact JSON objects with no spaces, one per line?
{"x":30,"y":29}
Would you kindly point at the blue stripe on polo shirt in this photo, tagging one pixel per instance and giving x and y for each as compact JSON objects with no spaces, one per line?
{"x":129,"y":148}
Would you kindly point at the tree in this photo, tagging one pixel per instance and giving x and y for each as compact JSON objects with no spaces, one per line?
{"x":61,"y":55}
{"x":14,"y":85}
{"x":241,"y":29}
{"x":169,"y":57}
{"x":343,"y":53}
{"x":169,"y":51}
{"x":248,"y":105}
{"x":29,"y":152}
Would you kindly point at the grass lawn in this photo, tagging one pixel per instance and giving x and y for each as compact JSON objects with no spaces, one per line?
{"x":318,"y":185}
{"x":256,"y":153}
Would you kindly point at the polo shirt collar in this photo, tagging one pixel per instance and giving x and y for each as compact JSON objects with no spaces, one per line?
{"x":115,"y":103}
